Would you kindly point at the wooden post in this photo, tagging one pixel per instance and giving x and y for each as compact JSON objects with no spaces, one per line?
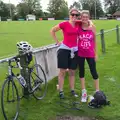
{"x":24,"y":72}
{"x":102,"y":41}
{"x":118,"y":34}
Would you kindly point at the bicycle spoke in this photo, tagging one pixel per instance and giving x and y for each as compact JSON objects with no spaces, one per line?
{"x":38,"y":81}
{"x":11,"y":104}
{"x":8,"y":90}
{"x":38,"y":77}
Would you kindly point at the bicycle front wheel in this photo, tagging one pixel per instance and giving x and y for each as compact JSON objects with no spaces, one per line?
{"x":38,"y":82}
{"x":10,"y":100}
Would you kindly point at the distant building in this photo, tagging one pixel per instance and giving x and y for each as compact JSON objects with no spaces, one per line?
{"x":116,"y":14}
{"x":30,"y":17}
{"x":109,"y":16}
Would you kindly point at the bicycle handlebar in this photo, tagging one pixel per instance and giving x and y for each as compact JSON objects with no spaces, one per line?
{"x":6,"y":59}
{"x":13,"y":59}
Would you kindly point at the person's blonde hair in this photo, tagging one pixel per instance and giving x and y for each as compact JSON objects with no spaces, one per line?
{"x":85,"y":12}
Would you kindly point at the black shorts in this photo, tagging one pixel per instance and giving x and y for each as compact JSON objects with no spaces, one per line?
{"x":65,"y":61}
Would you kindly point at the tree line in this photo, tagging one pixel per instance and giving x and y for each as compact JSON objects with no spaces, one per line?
{"x":57,"y":8}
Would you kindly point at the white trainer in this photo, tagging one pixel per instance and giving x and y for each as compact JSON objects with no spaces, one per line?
{"x":84,"y":96}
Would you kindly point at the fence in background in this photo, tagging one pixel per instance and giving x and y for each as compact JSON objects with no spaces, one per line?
{"x":47,"y":56}
{"x":102,"y":36}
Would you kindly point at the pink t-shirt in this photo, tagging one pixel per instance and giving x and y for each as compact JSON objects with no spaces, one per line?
{"x":70,"y":34}
{"x":86,"y":43}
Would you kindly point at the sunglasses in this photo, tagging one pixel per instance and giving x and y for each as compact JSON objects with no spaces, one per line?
{"x":75,"y":15}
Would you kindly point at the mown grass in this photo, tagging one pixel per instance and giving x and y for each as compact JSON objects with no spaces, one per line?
{"x":37,"y":33}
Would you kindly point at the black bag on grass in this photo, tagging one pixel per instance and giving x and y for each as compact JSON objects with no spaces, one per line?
{"x":99,"y":100}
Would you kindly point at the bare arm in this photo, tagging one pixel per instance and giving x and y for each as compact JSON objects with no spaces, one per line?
{"x":53,"y":33}
{"x":94,"y":31}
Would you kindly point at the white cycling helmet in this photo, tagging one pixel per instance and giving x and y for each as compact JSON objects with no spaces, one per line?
{"x":24,"y":47}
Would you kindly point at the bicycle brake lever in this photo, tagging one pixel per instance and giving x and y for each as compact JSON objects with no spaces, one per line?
{"x":19,"y":65}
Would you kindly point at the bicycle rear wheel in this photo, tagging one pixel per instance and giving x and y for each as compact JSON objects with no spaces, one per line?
{"x":38,"y":82}
{"x":10,"y":100}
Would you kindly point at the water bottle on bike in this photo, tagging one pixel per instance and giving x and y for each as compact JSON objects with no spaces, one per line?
{"x":21,"y":80}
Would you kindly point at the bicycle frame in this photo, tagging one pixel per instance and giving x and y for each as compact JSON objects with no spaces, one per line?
{"x":29,"y":69}
{"x":31,"y":91}
{"x":37,"y":84}
{"x":11,"y":87}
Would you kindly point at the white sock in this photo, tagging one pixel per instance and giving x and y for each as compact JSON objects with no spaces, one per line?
{"x":61,"y":90}
{"x":83,"y":90}
{"x":97,"y":90}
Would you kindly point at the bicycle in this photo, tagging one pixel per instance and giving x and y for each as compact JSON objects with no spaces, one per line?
{"x":36,"y":83}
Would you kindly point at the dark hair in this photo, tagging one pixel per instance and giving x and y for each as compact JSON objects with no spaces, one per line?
{"x":74,"y":9}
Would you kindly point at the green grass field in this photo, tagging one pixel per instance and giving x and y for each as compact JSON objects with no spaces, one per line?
{"x":37,"y":33}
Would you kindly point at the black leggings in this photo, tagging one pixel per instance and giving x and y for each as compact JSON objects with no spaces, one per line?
{"x":92,"y":65}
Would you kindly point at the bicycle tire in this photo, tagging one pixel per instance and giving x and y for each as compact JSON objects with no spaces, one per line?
{"x":7,"y":82}
{"x":40,"y":77}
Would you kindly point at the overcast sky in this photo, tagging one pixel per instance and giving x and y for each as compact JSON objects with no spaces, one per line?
{"x":44,"y":3}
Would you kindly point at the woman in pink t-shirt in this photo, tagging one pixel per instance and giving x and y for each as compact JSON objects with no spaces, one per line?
{"x":67,"y":52}
{"x":87,"y":49}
